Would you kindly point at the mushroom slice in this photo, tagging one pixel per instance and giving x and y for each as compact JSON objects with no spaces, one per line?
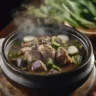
{"x":62,"y":57}
{"x":28,"y":38}
{"x":47,"y":51}
{"x":38,"y":66}
{"x":23,"y":50}
{"x":33,"y":55}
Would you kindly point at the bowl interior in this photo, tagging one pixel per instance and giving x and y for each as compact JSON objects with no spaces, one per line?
{"x":46,"y":30}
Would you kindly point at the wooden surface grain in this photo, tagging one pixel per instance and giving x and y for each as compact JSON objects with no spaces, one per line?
{"x":8,"y":29}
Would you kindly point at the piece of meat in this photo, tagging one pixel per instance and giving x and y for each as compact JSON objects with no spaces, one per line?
{"x":38,"y":66}
{"x":23,"y":50}
{"x":26,"y":44}
{"x":33,"y":55}
{"x":47,"y":51}
{"x":29,"y":44}
{"x":43,"y":40}
{"x":62,"y":57}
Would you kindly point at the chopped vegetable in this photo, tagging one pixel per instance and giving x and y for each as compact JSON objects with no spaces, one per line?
{"x":65,"y":45}
{"x":38,"y":66}
{"x":55,"y":45}
{"x":55,"y":42}
{"x":28,"y":38}
{"x":56,"y":68}
{"x":52,"y":66}
{"x":77,"y":59}
{"x":72,"y":50}
{"x":64,"y":38}
{"x":81,"y":13}
{"x":95,"y":62}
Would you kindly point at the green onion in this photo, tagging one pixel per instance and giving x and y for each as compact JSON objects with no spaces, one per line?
{"x":81,"y":13}
{"x":51,"y":65}
{"x":54,"y":42}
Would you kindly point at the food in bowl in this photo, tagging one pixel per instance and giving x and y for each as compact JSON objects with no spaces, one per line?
{"x":63,"y":82}
{"x":47,"y":55}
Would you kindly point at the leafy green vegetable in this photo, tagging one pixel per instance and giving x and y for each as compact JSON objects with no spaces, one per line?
{"x":80,"y":13}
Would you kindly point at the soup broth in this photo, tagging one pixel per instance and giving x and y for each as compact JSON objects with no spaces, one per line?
{"x":47,"y":55}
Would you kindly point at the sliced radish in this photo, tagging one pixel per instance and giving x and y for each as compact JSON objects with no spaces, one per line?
{"x":72,"y":50}
{"x":28,"y":38}
{"x":63,"y":37}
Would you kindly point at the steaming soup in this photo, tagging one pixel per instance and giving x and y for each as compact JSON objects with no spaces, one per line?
{"x":47,"y":54}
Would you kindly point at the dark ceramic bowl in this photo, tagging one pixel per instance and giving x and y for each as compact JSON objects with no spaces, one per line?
{"x":65,"y":82}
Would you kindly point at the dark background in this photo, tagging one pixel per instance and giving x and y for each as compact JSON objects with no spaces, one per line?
{"x":7,"y":8}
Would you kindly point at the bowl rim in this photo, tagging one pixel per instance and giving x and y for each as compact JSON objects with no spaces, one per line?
{"x":37,"y":75}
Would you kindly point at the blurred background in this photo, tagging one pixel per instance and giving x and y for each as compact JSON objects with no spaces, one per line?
{"x":79,"y":14}
{"x":7,"y":7}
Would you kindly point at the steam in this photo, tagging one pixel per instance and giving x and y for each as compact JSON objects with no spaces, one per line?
{"x":28,"y":23}
{"x":22,"y":18}
{"x":22,"y":22}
